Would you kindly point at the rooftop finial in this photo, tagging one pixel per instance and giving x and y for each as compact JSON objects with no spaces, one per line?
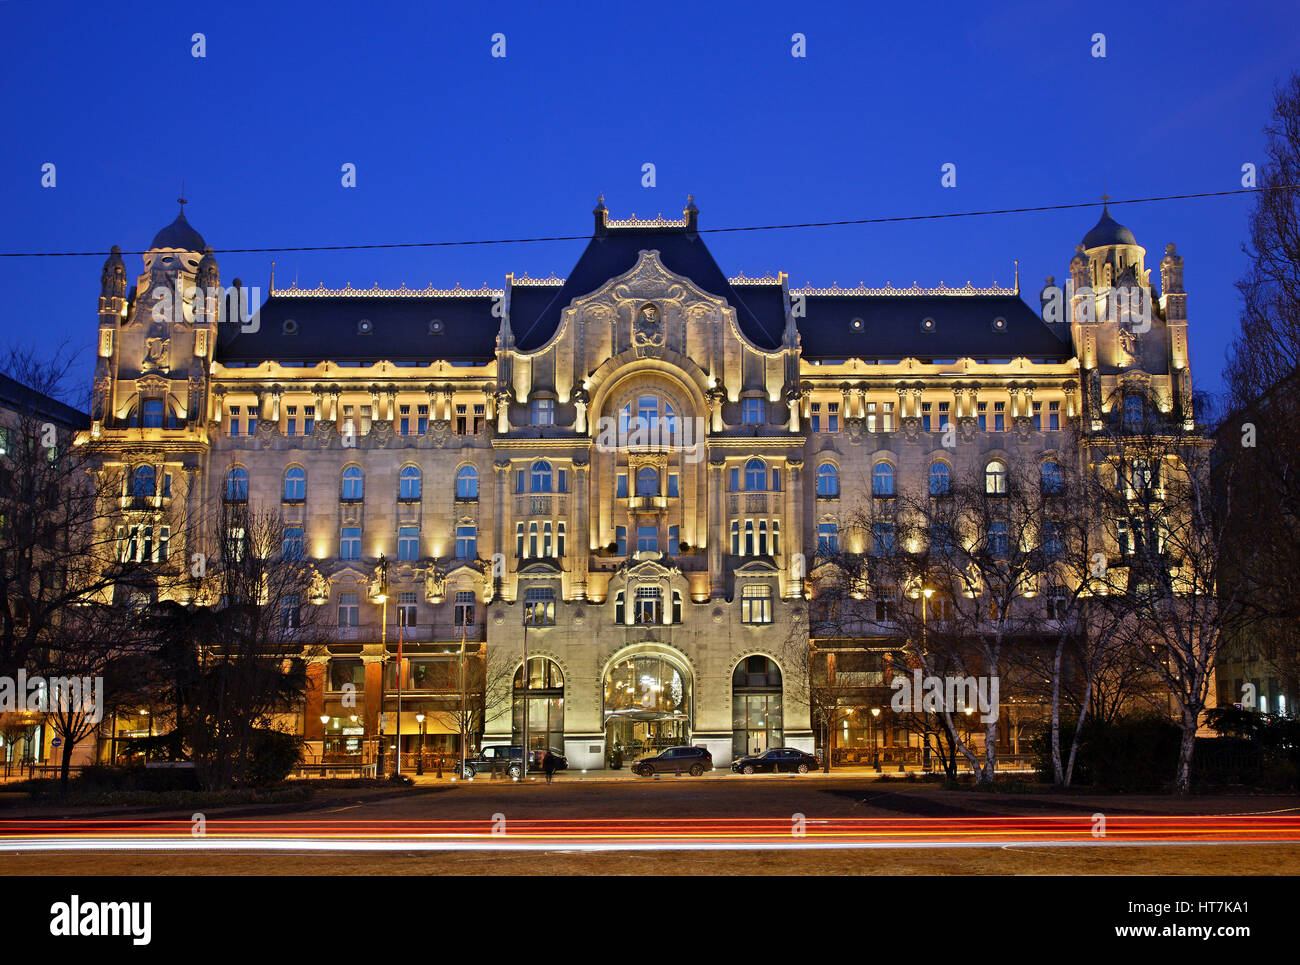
{"x":181,"y":200}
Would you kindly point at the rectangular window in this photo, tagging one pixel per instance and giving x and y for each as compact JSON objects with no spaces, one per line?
{"x":620,"y":487}
{"x":673,"y":541}
{"x":647,"y":539}
{"x":519,"y":540}
{"x":543,"y":412}
{"x":999,"y":417}
{"x":292,"y":549}
{"x":406,"y":610}
{"x":882,"y":539}
{"x":291,"y":420}
{"x":751,"y":412}
{"x":1038,"y":417}
{"x":833,"y":417}
{"x":349,"y":610}
{"x":647,"y":605}
{"x":672,"y":485}
{"x":466,"y":542}
{"x":232,"y":421}
{"x":756,"y":603}
{"x":404,"y":421}
{"x":480,"y":417}
{"x":1053,"y":415}
{"x":776,"y":480}
{"x":559,"y":539}
{"x":461,"y":420}
{"x":815,"y":418}
{"x":885,"y":605}
{"x":290,"y":611}
{"x":539,"y":606}
{"x":308,"y":419}
{"x":464,"y":610}
{"x":982,"y":412}
{"x":620,"y":540}
{"x":408,"y":543}
{"x":943,"y":416}
{"x":925,"y":416}
{"x":828,"y":539}
{"x":350,"y":543}
{"x":734,"y":482}
{"x":871,"y":417}
{"x":422,"y":419}
{"x":887,"y":418}
{"x":997,"y":539}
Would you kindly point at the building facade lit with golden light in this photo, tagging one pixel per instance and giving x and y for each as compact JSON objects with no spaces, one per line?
{"x":628,"y":472}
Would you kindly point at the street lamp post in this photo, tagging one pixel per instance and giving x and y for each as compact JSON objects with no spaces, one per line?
{"x":324,"y":719}
{"x":463,"y":724}
{"x":419,"y":762}
{"x":875,"y":747}
{"x":523,"y":678}
{"x":926,"y":593}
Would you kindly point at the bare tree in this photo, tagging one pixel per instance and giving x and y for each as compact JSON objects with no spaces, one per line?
{"x":58,"y":515}
{"x":237,"y":651}
{"x":1150,"y":481}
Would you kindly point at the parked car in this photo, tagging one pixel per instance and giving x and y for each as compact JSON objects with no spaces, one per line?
{"x":693,"y":760}
{"x":506,"y":758}
{"x":776,"y":760}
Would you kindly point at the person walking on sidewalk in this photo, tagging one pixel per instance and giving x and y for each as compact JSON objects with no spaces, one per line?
{"x":548,"y":765}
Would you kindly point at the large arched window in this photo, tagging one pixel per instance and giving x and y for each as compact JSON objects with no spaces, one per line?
{"x":940,"y":479}
{"x":1052,"y":477}
{"x":756,"y":711}
{"x":540,"y":481}
{"x":354,"y":483}
{"x":143,"y":482}
{"x":828,"y":480}
{"x":755,"y":476}
{"x":882,"y":479}
{"x":237,"y":485}
{"x":545,"y":692}
{"x":408,"y":483}
{"x":467,"y":483}
{"x":995,"y":478}
{"x":295,"y":484}
{"x":647,"y":482}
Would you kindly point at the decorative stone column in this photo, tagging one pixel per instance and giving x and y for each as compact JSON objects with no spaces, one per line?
{"x":717,"y":527}
{"x":502,"y":467}
{"x":580,"y":546}
{"x":794,"y":528}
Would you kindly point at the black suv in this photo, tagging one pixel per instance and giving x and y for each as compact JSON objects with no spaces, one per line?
{"x":506,"y":759}
{"x":776,"y":760}
{"x":693,"y":760}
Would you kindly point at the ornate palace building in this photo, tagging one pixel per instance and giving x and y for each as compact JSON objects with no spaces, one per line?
{"x":626,"y":473}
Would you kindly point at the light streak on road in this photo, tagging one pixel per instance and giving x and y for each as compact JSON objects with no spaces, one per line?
{"x":640,"y":834}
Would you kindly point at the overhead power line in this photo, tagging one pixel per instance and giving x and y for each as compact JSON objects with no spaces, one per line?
{"x":769,"y":227}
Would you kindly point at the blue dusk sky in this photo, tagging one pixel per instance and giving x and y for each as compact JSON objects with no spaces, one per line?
{"x":450,"y":143}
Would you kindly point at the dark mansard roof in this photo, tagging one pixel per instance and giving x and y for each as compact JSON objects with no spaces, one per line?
{"x":837,"y":325}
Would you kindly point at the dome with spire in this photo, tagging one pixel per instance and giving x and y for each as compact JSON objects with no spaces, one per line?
{"x":179,"y":234}
{"x":1107,"y":232}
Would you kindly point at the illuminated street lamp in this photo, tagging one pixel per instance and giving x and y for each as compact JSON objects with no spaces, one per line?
{"x":324,"y":719}
{"x":419,"y":763}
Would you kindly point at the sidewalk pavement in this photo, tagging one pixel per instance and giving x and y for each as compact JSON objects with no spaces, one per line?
{"x":723,"y":773}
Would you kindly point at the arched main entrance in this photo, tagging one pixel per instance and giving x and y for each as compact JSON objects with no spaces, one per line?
{"x":757,"y":714}
{"x":647,"y":704}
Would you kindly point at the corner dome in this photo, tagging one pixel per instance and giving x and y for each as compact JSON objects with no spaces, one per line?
{"x":1106,"y":232}
{"x":179,"y":234}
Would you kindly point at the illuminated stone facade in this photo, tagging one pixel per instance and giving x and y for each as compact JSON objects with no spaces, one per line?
{"x":625,"y":471}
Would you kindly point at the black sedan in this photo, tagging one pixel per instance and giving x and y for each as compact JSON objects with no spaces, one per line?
{"x":776,"y":760}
